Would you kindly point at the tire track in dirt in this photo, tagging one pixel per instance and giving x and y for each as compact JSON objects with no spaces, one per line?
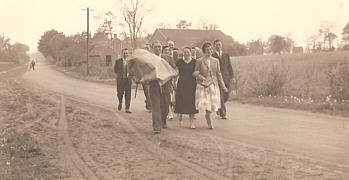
{"x":68,"y":157}
{"x":203,"y":172}
{"x":200,"y":171}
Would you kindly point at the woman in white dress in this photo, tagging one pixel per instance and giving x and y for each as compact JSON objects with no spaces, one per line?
{"x":209,"y":79}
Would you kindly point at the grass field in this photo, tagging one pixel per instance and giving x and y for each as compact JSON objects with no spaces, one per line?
{"x":294,"y":80}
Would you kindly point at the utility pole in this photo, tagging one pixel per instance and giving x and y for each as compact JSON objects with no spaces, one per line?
{"x":87,"y":38}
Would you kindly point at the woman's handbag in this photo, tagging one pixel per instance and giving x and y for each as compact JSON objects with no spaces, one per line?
{"x":206,"y":83}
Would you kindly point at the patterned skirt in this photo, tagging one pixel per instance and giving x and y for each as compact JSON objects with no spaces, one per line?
{"x":207,"y":98}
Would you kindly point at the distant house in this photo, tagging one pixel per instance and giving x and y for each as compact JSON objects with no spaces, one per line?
{"x":104,"y":50}
{"x":188,"y":37}
{"x":297,"y":50}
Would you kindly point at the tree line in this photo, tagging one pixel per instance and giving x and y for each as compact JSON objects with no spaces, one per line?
{"x":15,"y":53}
{"x":61,"y":47}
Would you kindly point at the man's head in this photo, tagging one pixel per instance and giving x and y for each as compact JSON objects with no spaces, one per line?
{"x":217,"y":44}
{"x":124,"y":53}
{"x":193,"y":51}
{"x":157,"y":47}
{"x":147,"y":47}
{"x":166,"y":50}
{"x":170,"y":44}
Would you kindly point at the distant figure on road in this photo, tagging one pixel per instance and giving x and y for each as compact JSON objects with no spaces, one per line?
{"x":123,"y":81}
{"x":32,"y":64}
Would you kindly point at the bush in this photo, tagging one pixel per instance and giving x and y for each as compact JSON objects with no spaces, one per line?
{"x":338,"y":79}
{"x":269,"y":81}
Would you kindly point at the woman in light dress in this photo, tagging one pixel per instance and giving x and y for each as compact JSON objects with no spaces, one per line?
{"x":207,"y":95}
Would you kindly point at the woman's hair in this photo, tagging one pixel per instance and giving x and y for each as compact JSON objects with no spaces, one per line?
{"x":206,"y":45}
{"x":163,"y":48}
{"x":186,"y":48}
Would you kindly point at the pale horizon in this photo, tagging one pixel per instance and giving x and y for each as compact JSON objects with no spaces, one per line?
{"x":26,"y":21}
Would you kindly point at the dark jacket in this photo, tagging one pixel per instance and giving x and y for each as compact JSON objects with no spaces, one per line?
{"x":225,"y":66}
{"x":168,"y":87}
{"x":119,"y":68}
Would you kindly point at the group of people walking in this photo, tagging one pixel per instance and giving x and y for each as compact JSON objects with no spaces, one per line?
{"x":203,"y":84}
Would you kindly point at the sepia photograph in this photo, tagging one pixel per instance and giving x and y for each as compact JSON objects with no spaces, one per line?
{"x":174,"y":90}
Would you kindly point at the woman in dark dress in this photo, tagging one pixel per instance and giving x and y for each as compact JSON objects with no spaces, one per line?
{"x":185,"y":96}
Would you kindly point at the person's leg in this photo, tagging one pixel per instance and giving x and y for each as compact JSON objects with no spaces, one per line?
{"x":127,"y":95}
{"x":191,"y":119}
{"x":147,"y":97}
{"x":164,"y":104}
{"x":180,"y":119}
{"x":208,"y":119}
{"x":155,"y":94}
{"x":223,"y":111}
{"x":120,"y":92}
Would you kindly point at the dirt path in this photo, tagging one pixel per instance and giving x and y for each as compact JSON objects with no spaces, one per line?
{"x":68,"y":156}
{"x":254,"y":142}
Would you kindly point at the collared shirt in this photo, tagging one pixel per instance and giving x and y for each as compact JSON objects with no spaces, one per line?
{"x":124,"y":72}
{"x":219,"y":53}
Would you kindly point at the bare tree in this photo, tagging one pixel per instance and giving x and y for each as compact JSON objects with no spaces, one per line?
{"x":134,"y":12}
{"x":326,"y":30}
{"x":345,"y":35}
{"x":203,"y":23}
{"x":213,"y":27}
{"x":106,"y":23}
{"x":164,"y":26}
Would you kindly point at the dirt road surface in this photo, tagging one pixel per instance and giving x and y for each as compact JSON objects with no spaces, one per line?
{"x":254,"y":143}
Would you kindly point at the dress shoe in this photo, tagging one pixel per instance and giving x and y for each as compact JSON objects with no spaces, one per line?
{"x":224,"y":117}
{"x":164,"y":126}
{"x":120,"y":107}
{"x":156,"y":132}
{"x":128,"y":111}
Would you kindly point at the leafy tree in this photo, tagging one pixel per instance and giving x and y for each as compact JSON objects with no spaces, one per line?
{"x":255,"y":47}
{"x":4,"y":48}
{"x":51,"y":43}
{"x":17,"y":53}
{"x":183,"y":24}
{"x":278,"y":44}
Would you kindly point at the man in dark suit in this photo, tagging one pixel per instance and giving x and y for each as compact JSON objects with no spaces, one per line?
{"x":160,"y":95}
{"x":227,"y":74}
{"x":123,"y":82}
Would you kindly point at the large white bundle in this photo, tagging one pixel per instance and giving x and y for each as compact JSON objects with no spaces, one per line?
{"x":146,"y":66}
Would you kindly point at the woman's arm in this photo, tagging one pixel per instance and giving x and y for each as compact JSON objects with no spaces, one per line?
{"x":197,"y":70}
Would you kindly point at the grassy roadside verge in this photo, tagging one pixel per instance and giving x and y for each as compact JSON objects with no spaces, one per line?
{"x":27,"y":140}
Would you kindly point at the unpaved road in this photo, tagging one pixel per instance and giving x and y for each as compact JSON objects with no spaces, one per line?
{"x":303,"y":138}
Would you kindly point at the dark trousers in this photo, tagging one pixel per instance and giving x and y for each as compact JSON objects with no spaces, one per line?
{"x":147,"y":96}
{"x":159,"y":103}
{"x":124,"y":87}
{"x":155,"y":98}
{"x":224,"y":98}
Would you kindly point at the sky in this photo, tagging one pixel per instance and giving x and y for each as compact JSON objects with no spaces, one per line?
{"x":25,"y":21}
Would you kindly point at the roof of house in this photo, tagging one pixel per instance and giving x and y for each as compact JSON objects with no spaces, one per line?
{"x":189,"y":37}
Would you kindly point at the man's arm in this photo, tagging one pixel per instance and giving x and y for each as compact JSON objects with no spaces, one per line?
{"x":230,"y":69}
{"x":116,"y":67}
